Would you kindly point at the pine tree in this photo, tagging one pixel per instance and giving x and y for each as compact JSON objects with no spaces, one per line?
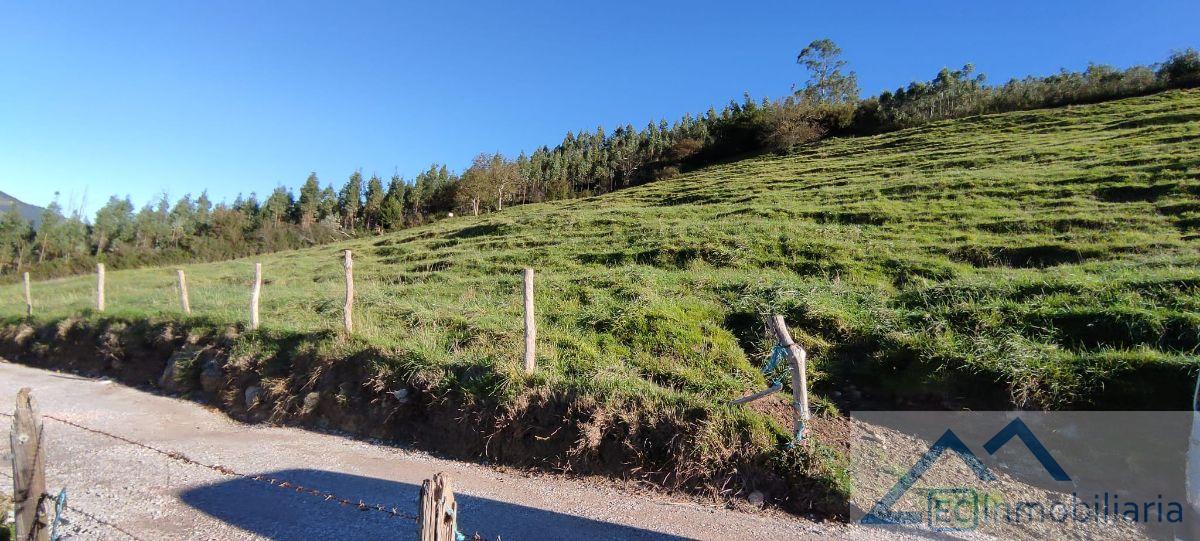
{"x":373,"y":206}
{"x":278,"y":206}
{"x":392,"y":214}
{"x":350,"y":201}
{"x":327,"y":208}
{"x":310,"y":200}
{"x":204,"y":210}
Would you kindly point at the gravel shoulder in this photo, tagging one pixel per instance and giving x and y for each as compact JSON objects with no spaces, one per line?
{"x":152,"y":496}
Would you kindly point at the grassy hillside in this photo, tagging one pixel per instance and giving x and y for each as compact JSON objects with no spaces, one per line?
{"x":1046,"y":258}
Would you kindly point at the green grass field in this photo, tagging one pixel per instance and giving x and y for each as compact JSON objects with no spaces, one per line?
{"x":1042,"y":259}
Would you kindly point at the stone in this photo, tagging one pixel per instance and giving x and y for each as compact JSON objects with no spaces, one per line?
{"x":757,"y":498}
{"x":211,"y":376}
{"x":311,"y":400}
{"x":167,"y":381}
{"x":174,"y":377}
{"x":252,"y":396}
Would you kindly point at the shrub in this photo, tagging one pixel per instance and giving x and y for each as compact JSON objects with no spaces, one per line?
{"x":791,"y":124}
{"x":1182,"y":69}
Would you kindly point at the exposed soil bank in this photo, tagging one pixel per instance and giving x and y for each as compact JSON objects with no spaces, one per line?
{"x":678,"y":449}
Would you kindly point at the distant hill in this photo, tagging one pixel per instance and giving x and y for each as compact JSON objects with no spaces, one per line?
{"x":30,"y":212}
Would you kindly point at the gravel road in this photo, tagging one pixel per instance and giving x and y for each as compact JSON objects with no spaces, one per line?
{"x":152,"y":496}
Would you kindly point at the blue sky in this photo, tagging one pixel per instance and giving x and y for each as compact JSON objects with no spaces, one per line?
{"x":137,"y":98}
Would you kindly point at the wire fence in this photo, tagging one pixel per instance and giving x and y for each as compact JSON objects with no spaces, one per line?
{"x":222,"y":301}
{"x":322,"y":495}
{"x":75,"y":509}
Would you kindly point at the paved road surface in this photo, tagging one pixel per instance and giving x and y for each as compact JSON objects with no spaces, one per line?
{"x":154,"y":497}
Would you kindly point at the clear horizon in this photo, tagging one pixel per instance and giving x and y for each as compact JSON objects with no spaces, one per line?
{"x":142,"y":98}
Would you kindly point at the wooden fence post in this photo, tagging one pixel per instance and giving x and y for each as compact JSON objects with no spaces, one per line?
{"x":99,"y":287}
{"x":254,"y":295}
{"x":530,"y":325}
{"x":348,"y":309}
{"x":183,"y":294}
{"x":29,"y":476}
{"x":28,"y":298}
{"x":798,"y":359}
{"x":439,"y":511}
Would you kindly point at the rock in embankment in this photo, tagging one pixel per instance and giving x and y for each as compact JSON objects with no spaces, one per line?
{"x":177,"y":377}
{"x":251,"y":396}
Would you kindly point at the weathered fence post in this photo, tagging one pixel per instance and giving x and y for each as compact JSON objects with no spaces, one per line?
{"x":183,"y":294}
{"x":798,"y":359}
{"x":439,"y":511}
{"x":254,"y":295}
{"x":99,"y":287}
{"x":348,"y":309}
{"x":530,"y":325}
{"x":28,"y":298}
{"x":29,"y":476}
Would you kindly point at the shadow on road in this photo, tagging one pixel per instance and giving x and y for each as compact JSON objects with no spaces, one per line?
{"x":285,"y":514}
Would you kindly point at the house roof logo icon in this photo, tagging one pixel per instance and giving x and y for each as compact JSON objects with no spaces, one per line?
{"x":882,"y":513}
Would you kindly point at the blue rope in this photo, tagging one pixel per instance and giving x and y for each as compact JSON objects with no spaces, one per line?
{"x":59,"y":503}
{"x":779,"y":353}
{"x":458,"y":535}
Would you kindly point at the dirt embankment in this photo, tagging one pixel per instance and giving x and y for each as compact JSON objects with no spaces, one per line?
{"x":540,"y":428}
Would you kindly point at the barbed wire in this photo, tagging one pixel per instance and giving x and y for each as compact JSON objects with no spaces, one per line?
{"x":85,"y":514}
{"x":325,"y":495}
{"x":100,"y":521}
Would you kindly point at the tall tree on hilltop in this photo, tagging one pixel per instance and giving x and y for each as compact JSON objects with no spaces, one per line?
{"x":391,"y":216}
{"x":204,"y":210}
{"x":182,"y":219}
{"x":114,"y":223}
{"x":827,"y":84}
{"x":151,"y":225}
{"x":278,"y":206}
{"x":49,"y":229}
{"x":476,"y":184}
{"x":327,"y":207}
{"x":350,"y":201}
{"x":504,"y":178}
{"x":310,"y":201}
{"x":373,"y":204}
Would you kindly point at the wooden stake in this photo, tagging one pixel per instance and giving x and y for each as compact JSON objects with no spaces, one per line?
{"x":348,"y":309}
{"x":28,"y":298}
{"x":439,"y":511}
{"x":761,"y":394}
{"x":799,"y":360}
{"x":255,"y":294}
{"x":183,"y":294}
{"x":99,"y":287}
{"x":29,"y":475}
{"x":530,"y":325}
